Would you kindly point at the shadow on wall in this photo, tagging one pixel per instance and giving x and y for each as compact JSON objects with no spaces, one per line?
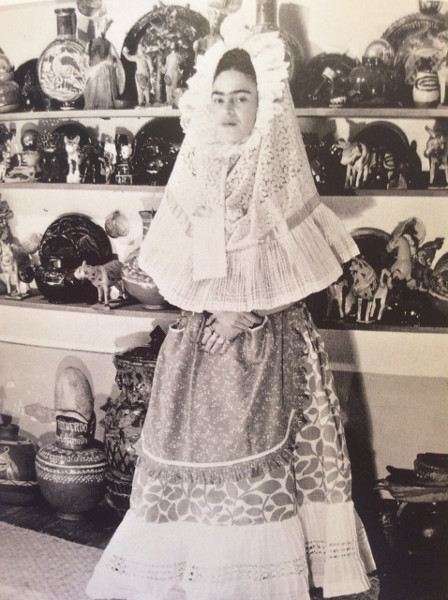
{"x":358,"y":431}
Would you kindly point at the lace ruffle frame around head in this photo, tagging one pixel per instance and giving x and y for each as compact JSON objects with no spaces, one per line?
{"x":267,"y":53}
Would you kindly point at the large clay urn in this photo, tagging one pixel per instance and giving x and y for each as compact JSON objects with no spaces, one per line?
{"x":18,"y":485}
{"x":125,"y":415}
{"x":72,"y":470}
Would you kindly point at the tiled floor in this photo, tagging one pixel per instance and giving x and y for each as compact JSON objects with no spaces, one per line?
{"x":402,"y":576}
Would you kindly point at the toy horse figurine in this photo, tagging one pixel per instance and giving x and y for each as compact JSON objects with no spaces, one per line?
{"x":104,"y":278}
{"x":74,"y":159}
{"x":436,"y":151}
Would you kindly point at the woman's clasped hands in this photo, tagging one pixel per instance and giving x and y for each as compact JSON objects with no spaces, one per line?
{"x":222,"y":327}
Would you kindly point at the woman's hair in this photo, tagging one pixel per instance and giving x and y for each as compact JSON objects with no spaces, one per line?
{"x":236,"y":59}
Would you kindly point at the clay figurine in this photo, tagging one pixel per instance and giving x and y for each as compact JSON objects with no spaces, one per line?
{"x":143,"y":73}
{"x":73,"y":158}
{"x":106,"y":77}
{"x":436,"y":151}
{"x":52,"y":162}
{"x":172,"y":74}
{"x":123,"y":166}
{"x":104,"y":278}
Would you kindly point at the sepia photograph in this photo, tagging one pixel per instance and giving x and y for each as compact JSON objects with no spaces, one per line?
{"x":223,"y":300}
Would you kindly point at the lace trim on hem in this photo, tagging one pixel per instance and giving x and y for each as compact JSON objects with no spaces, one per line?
{"x":252,"y":467}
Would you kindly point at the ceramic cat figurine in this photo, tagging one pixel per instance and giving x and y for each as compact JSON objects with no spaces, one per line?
{"x":74,"y":159}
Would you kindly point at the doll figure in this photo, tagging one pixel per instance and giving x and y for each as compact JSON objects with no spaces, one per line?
{"x":52,"y":163}
{"x":172,"y":71}
{"x":143,"y":73}
{"x":123,"y":167}
{"x":106,"y":77}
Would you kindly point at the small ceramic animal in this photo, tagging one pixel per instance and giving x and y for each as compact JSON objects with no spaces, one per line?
{"x":8,"y":265}
{"x":8,"y":468}
{"x":73,"y":158}
{"x":436,"y":151}
{"x":358,"y":159}
{"x":103,"y":277}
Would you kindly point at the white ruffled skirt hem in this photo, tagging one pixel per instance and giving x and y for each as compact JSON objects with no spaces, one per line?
{"x":193,"y":561}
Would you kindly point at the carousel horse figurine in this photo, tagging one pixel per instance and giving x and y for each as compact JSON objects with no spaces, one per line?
{"x":436,"y":152}
{"x":358,"y":159}
{"x":379,"y":301}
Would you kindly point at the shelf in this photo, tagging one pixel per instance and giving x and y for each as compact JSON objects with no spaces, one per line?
{"x":73,"y":115}
{"x":80,"y":327}
{"x":155,"y":189}
{"x":36,"y":322}
{"x":167,"y":111}
{"x":375,"y":113}
{"x":158,"y":190}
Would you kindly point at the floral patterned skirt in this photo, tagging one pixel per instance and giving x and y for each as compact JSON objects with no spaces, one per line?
{"x":260,"y":525}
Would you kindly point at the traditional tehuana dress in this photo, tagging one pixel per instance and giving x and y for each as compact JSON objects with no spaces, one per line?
{"x":243,"y":486}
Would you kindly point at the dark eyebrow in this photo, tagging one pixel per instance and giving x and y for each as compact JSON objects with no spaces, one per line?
{"x":234,"y":92}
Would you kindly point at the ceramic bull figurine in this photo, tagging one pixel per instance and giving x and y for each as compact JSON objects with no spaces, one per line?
{"x":104,"y":278}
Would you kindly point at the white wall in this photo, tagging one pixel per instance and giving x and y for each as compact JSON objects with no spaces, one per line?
{"x":401,"y":414}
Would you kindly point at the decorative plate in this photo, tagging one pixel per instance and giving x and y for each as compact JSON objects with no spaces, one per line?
{"x":71,"y":130}
{"x":383,"y":136}
{"x":157,"y":30}
{"x":156,"y":145}
{"x":372,"y":244}
{"x":417,"y":38}
{"x":62,"y":70}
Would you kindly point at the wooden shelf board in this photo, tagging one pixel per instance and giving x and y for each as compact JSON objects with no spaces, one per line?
{"x":84,"y":186}
{"x":157,"y":189}
{"x":167,"y":111}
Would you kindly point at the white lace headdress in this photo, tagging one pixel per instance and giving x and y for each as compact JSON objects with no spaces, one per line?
{"x":241,"y":226}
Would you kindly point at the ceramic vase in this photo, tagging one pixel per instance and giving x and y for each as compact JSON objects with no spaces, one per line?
{"x":9,"y":89}
{"x":18,"y":484}
{"x":373,"y":83}
{"x":136,"y":282}
{"x":426,"y":89}
{"x":125,"y":415}
{"x":62,"y":68}
{"x":72,"y":470}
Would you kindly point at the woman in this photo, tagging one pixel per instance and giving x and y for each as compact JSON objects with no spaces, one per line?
{"x":242,"y":489}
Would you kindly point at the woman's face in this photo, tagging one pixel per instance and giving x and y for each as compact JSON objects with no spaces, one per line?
{"x":234,"y":106}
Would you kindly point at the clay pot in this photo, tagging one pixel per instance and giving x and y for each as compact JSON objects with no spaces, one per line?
{"x":18,"y":485}
{"x":72,"y":481}
{"x":136,"y":282}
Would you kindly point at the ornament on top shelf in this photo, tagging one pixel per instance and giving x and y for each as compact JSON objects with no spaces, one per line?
{"x":148,"y":44}
{"x":429,"y":7}
{"x":144,"y":73}
{"x":61,"y":67}
{"x":106,"y":78}
{"x":9,"y":89}
{"x":172,"y":73}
